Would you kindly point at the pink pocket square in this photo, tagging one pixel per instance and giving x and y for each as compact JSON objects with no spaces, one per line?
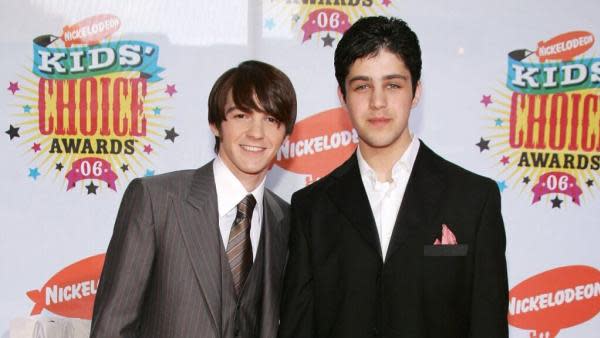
{"x":448,"y":237}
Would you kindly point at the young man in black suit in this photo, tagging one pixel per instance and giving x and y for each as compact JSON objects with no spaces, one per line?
{"x":396,"y":242}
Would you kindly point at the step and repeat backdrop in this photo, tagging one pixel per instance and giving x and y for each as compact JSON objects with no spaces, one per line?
{"x":96,"y":93}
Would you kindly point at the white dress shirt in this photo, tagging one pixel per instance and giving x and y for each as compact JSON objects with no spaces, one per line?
{"x":230,"y":192}
{"x":385,"y":198}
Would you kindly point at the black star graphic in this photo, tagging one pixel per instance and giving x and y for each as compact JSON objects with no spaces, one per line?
{"x":589,"y":182}
{"x":556,"y":202}
{"x":328,"y":40}
{"x":171,"y":134}
{"x":526,"y":180}
{"x":483,"y":144}
{"x":59,"y":166}
{"x":125,"y":167}
{"x":13,"y":132}
{"x":91,"y":188}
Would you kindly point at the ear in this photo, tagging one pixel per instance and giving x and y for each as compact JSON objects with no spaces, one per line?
{"x":214,"y":130}
{"x":417,"y":96}
{"x":341,"y":97}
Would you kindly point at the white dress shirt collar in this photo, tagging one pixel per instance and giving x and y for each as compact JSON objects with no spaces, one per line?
{"x":402,"y":166}
{"x":230,"y":191}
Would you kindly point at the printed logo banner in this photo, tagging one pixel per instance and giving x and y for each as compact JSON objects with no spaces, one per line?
{"x":546,"y":121}
{"x":71,"y":291}
{"x":320,"y":21}
{"x":93,"y":111}
{"x":555,"y":300}
{"x":318,"y":144}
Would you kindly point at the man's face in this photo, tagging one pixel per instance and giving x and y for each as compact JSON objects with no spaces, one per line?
{"x":249,"y":140}
{"x":379,"y":97}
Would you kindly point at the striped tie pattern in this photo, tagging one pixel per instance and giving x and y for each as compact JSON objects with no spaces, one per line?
{"x":239,"y":246}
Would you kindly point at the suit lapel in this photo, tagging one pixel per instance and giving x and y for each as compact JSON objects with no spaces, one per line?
{"x":421,"y":198}
{"x":349,"y":195}
{"x":198,"y":220}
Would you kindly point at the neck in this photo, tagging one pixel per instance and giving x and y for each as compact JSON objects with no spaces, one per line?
{"x":249,"y":181}
{"x":382,"y":159}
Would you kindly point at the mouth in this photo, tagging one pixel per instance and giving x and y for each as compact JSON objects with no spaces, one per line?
{"x":252,"y":149}
{"x":379,"y":121}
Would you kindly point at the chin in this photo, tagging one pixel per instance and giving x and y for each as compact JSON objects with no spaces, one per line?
{"x":254,"y":169}
{"x":377,"y":143}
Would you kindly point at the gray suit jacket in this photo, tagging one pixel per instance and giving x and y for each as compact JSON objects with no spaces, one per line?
{"x":162,"y":274}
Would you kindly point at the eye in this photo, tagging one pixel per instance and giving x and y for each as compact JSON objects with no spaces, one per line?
{"x":239,"y":116}
{"x":361,"y":87}
{"x":273,"y":120}
{"x":394,"y":86}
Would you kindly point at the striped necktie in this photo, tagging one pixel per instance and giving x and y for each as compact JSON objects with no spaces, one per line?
{"x":239,"y":247}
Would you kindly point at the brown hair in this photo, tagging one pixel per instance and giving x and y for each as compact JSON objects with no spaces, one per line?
{"x":254,"y":85}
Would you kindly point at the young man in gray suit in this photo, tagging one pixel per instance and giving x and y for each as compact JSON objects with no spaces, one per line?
{"x":201,"y":253}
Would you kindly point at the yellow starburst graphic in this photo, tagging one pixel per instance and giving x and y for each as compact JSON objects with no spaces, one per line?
{"x":546,"y":144}
{"x":92,"y":128}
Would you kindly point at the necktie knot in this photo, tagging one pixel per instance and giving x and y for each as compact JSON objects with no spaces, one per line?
{"x":245,"y":208}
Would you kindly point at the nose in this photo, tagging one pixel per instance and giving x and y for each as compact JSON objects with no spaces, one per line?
{"x":378,"y":99}
{"x":256,"y":129}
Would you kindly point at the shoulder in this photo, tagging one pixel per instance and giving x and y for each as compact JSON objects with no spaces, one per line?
{"x":312,"y":190}
{"x":169,"y":181}
{"x":316,"y":190}
{"x":278,"y":206}
{"x":176,"y":183}
{"x":456,"y":176}
{"x":273,"y":198}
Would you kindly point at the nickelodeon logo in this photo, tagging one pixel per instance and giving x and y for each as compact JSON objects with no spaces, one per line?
{"x":554,"y":300}
{"x":91,"y":30}
{"x":319,"y":144}
{"x":56,"y":294}
{"x":565,"y":46}
{"x":71,"y":291}
{"x":551,"y":299}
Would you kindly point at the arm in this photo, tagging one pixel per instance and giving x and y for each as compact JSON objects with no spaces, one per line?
{"x":489,"y":306}
{"x":297,"y":309}
{"x":127,"y":267}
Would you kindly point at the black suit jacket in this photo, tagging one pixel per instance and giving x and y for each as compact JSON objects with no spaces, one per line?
{"x":337,"y":283}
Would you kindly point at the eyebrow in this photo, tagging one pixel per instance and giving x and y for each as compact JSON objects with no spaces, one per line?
{"x":387,"y":77}
{"x":230,"y":109}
